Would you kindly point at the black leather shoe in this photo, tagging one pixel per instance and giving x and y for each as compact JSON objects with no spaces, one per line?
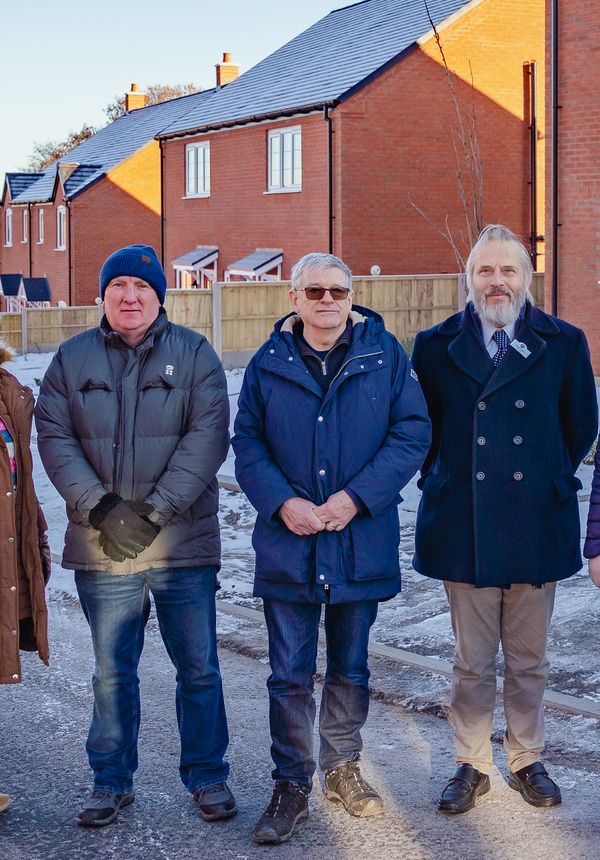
{"x":215,"y":802}
{"x":465,"y":786}
{"x":535,"y":785}
{"x":286,"y":811}
{"x":102,"y":807}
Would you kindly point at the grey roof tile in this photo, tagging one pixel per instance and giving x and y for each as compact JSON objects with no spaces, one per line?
{"x":322,"y":64}
{"x":19,"y":182}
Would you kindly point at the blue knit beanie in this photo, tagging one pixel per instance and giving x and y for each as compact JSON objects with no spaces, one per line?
{"x":137,"y":261}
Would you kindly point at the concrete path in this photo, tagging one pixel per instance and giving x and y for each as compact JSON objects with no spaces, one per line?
{"x":408,"y":756}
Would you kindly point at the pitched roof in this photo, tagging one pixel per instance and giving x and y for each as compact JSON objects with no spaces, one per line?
{"x":37,"y":289}
{"x":322,"y":65}
{"x":200,"y":257}
{"x":19,"y":182}
{"x":10,"y":284}
{"x":259,"y":261}
{"x":108,"y":147}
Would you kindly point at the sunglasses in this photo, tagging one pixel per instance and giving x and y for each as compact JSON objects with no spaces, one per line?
{"x":317,"y":293}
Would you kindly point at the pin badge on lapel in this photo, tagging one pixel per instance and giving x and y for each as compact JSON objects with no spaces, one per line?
{"x":521,"y":348}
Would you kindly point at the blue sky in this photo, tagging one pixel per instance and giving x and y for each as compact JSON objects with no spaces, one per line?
{"x":62,"y":62}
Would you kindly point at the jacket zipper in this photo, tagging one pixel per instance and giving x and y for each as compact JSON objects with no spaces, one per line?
{"x":354,"y":358}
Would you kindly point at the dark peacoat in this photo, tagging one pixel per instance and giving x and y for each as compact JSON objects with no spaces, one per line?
{"x":24,"y":556}
{"x":499,"y":503}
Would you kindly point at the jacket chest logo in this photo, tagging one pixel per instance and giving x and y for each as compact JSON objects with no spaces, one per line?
{"x":169,"y":369}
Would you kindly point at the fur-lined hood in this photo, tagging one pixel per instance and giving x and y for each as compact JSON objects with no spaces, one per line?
{"x":7,"y":353}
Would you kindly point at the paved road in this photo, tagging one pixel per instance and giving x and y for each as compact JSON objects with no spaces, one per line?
{"x":42,"y":764}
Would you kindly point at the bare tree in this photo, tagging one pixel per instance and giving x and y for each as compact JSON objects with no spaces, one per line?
{"x":47,"y":153}
{"x":156,"y":93}
{"x":467,"y":163}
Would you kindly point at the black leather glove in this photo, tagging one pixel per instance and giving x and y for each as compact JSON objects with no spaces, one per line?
{"x":124,"y":526}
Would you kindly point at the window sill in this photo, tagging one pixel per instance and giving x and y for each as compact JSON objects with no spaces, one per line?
{"x":283,"y":191}
{"x":7,"y":245}
{"x":195,"y":196}
{"x":61,"y":248}
{"x":40,"y":243}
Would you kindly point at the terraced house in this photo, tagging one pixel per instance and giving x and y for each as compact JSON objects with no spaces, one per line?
{"x":346,"y":139}
{"x":339,"y":138}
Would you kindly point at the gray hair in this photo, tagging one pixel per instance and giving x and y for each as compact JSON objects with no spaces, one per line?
{"x":320,"y":262}
{"x":500,"y":233}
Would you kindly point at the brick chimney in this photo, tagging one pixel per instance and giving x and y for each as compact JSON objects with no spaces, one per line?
{"x":226,"y":71}
{"x":135,"y":99}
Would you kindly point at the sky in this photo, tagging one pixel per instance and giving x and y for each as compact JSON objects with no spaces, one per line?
{"x":62,"y":62}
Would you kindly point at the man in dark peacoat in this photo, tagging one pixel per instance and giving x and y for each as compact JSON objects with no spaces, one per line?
{"x":511,"y":395}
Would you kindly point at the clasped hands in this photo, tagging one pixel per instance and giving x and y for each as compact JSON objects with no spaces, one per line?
{"x":124,"y":527}
{"x":303,"y":517}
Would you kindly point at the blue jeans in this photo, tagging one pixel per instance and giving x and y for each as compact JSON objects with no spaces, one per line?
{"x":293,"y":638}
{"x":117,"y":609}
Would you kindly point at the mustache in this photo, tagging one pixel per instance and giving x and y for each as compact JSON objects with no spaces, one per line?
{"x":497,"y":291}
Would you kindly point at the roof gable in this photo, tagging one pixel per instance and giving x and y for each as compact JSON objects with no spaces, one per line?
{"x":322,"y":64}
{"x":109,"y":147}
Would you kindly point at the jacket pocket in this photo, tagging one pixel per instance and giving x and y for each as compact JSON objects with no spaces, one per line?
{"x":281,"y":555}
{"x":432,"y":484}
{"x":566,"y":486}
{"x":375,"y":543}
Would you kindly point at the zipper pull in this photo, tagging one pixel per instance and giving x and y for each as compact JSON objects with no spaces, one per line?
{"x":324,"y":368}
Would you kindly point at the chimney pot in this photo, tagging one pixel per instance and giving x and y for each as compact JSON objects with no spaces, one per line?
{"x":135,"y":99}
{"x":226,"y":71}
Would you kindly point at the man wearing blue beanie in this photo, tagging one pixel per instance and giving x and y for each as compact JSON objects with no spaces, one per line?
{"x":132,"y":423}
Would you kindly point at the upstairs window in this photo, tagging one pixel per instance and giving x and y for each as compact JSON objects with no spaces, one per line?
{"x":61,"y":228}
{"x":40,"y":227}
{"x":8,"y":228}
{"x":285,"y":160}
{"x":197,"y":170}
{"x":25,"y":223}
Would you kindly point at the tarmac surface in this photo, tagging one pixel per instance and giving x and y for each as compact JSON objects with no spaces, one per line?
{"x":408,"y":757}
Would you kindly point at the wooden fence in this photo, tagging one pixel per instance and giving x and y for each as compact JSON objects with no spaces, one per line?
{"x":238,"y":317}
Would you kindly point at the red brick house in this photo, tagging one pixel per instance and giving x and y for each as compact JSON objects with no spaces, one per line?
{"x":62,"y":222}
{"x":573,"y":167}
{"x":333,"y":141}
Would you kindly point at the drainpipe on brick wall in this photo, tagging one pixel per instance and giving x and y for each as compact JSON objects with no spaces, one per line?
{"x":162,"y":203}
{"x":554,"y":156}
{"x":30,"y":240}
{"x":533,"y":233}
{"x":327,"y":119}
{"x":69,"y":251}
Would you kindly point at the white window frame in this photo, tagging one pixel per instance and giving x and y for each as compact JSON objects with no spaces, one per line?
{"x":61,"y":228}
{"x":284,"y":160}
{"x":24,"y":227}
{"x":40,"y":238}
{"x":197,"y":169}
{"x":8,"y":228}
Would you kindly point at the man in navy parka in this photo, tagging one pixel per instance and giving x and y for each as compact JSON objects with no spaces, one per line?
{"x":331,"y":425}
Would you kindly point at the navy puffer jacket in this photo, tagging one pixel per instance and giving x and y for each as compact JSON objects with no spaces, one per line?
{"x":369,"y":433}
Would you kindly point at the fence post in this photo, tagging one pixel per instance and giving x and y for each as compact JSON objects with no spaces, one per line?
{"x":24,"y":343}
{"x":217,"y":329}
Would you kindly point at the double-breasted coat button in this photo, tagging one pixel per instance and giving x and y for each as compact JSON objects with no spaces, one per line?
{"x":320,"y":419}
{"x":518,"y":476}
{"x":321,"y":472}
{"x":481,"y":440}
{"x":482,"y":405}
{"x":517,"y":440}
{"x":519,"y":404}
{"x":480,"y":476}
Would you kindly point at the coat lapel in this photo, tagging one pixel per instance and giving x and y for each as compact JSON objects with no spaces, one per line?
{"x":519,"y":361}
{"x":467,"y":350}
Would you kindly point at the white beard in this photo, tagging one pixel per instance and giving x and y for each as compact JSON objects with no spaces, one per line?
{"x":500,"y":315}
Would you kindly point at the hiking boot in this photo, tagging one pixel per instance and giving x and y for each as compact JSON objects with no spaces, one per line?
{"x":4,"y":802}
{"x":102,"y":807}
{"x":288,"y":808}
{"x":344,"y":784}
{"x":215,"y":802}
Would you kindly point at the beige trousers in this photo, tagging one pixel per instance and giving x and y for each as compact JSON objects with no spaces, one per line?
{"x":482,"y":618}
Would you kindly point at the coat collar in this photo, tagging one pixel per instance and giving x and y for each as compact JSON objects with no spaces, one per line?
{"x":467,"y":350}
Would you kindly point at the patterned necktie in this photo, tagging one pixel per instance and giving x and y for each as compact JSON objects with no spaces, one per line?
{"x":502,"y":342}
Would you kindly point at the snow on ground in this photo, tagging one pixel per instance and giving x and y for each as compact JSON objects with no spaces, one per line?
{"x":416,"y":620}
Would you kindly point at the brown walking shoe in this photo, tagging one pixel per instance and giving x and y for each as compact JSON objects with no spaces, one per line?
{"x":344,"y":784}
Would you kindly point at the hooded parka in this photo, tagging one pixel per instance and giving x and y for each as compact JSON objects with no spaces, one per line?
{"x":23,"y":613}
{"x":149,"y":423}
{"x":499,"y":502}
{"x":369,"y":433}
